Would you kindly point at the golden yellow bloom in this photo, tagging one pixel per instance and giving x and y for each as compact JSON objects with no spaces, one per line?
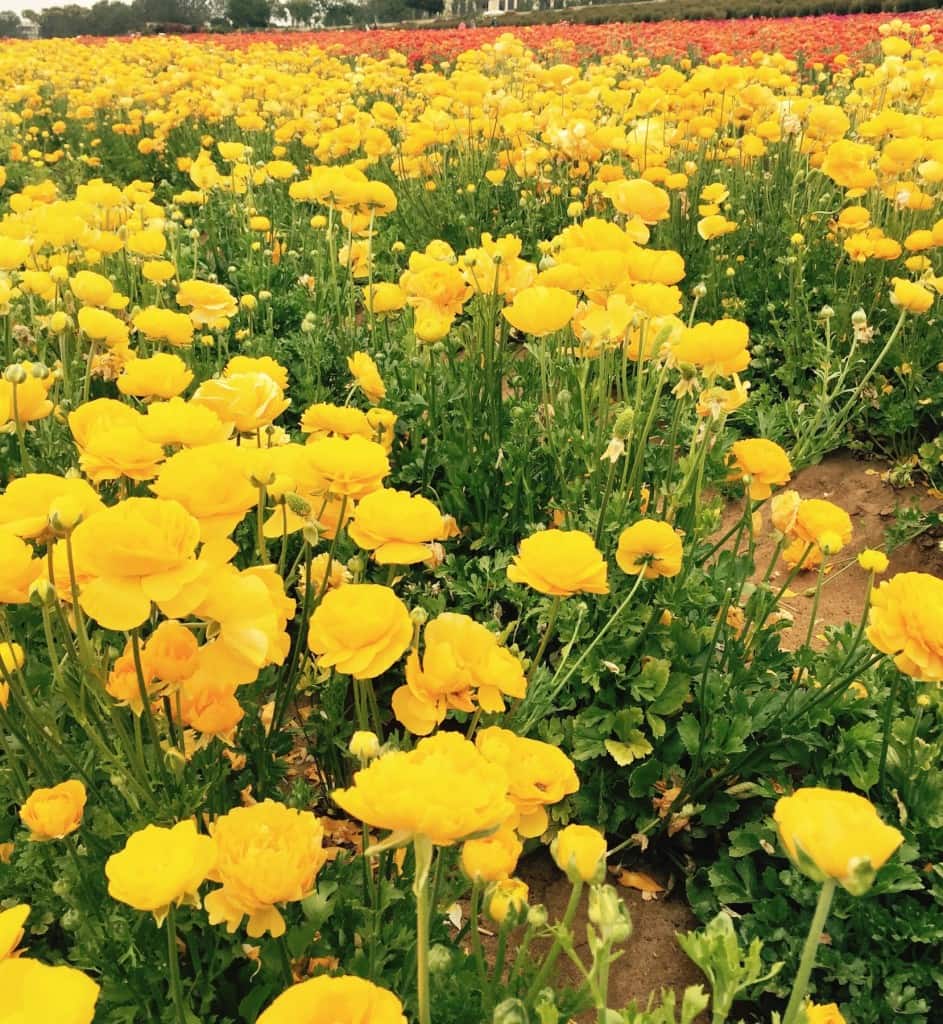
{"x":34,"y":991}
{"x":11,"y":929}
{"x":210,"y":304}
{"x":158,"y":324}
{"x":715,"y":225}
{"x":829,"y":1014}
{"x":323,"y":419}
{"x":873,"y":561}
{"x":247,"y":400}
{"x":366,"y":376}
{"x":266,"y":854}
{"x":762,"y":463}
{"x":540,"y":310}
{"x":831,"y":834}
{"x":443,"y":789}
{"x":364,"y":745}
{"x":257,"y":364}
{"x":344,"y":1000}
{"x":539,"y":775}
{"x":161,"y":376}
{"x":129,"y":555}
{"x":100,"y":325}
{"x":161,"y":866}
{"x":55,"y":812}
{"x":384,"y":297}
{"x":180,"y":423}
{"x":463,"y":667}
{"x":817,"y":516}
{"x":212,"y":483}
{"x":18,"y":569}
{"x":26,"y":503}
{"x":719,"y":348}
{"x":361,"y":630}
{"x":784,"y":510}
{"x":111,"y":443}
{"x":26,"y":402}
{"x":650,"y":547}
{"x":396,"y":526}
{"x":639,"y":198}
{"x":506,"y":895}
{"x":91,"y":289}
{"x":493,"y":858}
{"x":906,"y":622}
{"x":911,"y":296}
{"x":560,"y":563}
{"x":580,"y":851}
{"x":349,"y":466}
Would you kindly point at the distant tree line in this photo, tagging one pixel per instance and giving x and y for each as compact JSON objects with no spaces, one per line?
{"x":116,"y":18}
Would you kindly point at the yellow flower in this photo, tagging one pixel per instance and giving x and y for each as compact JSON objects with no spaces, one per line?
{"x":158,"y":271}
{"x":266,"y":854}
{"x":650,"y":547}
{"x":11,"y":929}
{"x":26,"y":503}
{"x":539,"y":775}
{"x":396,"y":526}
{"x":384,"y":297}
{"x":18,"y":569}
{"x":325,"y":420}
{"x":540,"y":310}
{"x":351,"y":466}
{"x":110,"y":441}
{"x":364,"y":745}
{"x":831,"y":834}
{"x":161,"y":866}
{"x":784,"y":511}
{"x":719,"y":348}
{"x":906,"y":622}
{"x":55,"y":812}
{"x":171,"y":653}
{"x":161,"y":376}
{"x":873,"y":561}
{"x":257,"y":364}
{"x":180,"y":423}
{"x":816,"y":516}
{"x":829,"y":1014}
{"x":911,"y":296}
{"x":560,"y":563}
{"x":100,"y":325}
{"x":463,"y":667}
{"x":127,"y":556}
{"x":247,"y":400}
{"x":33,"y":991}
{"x":715,"y":225}
{"x":212,"y":483}
{"x":580,"y":851}
{"x":506,"y":895}
{"x":443,"y":789}
{"x":325,"y":1000}
{"x":493,"y":858}
{"x":639,"y":198}
{"x":360,"y":629}
{"x":211,"y":304}
{"x":762,"y":463}
{"x":91,"y":289}
{"x":366,"y":376}
{"x":158,"y":324}
{"x":30,"y":398}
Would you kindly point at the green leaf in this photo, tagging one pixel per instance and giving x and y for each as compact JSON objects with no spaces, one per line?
{"x":635,"y":748}
{"x":689,"y":730}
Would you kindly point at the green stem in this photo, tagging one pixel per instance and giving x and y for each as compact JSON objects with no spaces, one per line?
{"x":422,"y":847}
{"x":173,"y":967}
{"x":545,"y":639}
{"x":809,"y":952}
{"x":544,"y":973}
{"x":889,"y":706}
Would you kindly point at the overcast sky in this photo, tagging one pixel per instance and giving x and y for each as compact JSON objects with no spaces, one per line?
{"x":37,"y":5}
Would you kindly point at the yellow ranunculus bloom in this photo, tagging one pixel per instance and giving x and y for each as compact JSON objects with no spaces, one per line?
{"x":350,"y":467}
{"x":266,"y":854}
{"x":906,"y":622}
{"x":873,"y":561}
{"x":163,"y":375}
{"x":55,"y":812}
{"x":11,"y":929}
{"x":324,"y":419}
{"x":18,"y":569}
{"x":828,"y":1014}
{"x":832,"y":834}
{"x":540,"y":310}
{"x":763,"y":463}
{"x":539,"y":775}
{"x":718,"y":349}
{"x":911,"y":295}
{"x":580,"y":851}
{"x":396,"y":526}
{"x":504,"y":896}
{"x":159,"y":324}
{"x":443,"y":790}
{"x":210,"y":304}
{"x":34,"y":991}
{"x":360,"y":629}
{"x":26,"y":503}
{"x":493,"y":858}
{"x":344,"y":1000}
{"x":366,"y":376}
{"x":650,"y":547}
{"x":180,"y":423}
{"x":247,"y":400}
{"x":560,"y":563}
{"x":161,"y":866}
{"x":257,"y":364}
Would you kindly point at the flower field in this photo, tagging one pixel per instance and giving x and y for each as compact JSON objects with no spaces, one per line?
{"x":398,"y":434}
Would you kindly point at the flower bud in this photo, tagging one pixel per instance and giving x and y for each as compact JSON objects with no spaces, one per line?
{"x":364,"y":745}
{"x":699,"y":290}
{"x":609,"y":914}
{"x":14,"y":374}
{"x":419,"y":616}
{"x":440,"y":959}
{"x":297,"y":504}
{"x":42,"y":592}
{"x":537,"y":916}
{"x":510,"y":1011}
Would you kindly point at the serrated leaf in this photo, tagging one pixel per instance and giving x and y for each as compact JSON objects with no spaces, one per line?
{"x":635,"y":748}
